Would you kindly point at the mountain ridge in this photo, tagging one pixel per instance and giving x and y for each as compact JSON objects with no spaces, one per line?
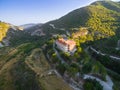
{"x":81,"y":17}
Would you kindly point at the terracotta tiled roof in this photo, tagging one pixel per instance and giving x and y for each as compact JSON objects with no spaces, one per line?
{"x":66,"y":42}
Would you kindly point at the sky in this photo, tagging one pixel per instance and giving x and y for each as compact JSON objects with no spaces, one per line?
{"x":19,"y":12}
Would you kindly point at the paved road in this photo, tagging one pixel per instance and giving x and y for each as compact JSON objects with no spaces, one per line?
{"x":106,"y":85}
{"x":58,"y":55}
{"x":103,"y":54}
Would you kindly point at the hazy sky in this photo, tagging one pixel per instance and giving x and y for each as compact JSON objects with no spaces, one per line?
{"x":20,"y":12}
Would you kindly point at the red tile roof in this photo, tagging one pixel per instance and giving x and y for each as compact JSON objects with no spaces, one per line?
{"x":66,"y":42}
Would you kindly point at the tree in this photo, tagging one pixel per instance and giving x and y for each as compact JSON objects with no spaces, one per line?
{"x":79,"y":49}
{"x":73,"y":69}
{"x":54,"y":58}
{"x":91,"y":84}
{"x":62,"y":68}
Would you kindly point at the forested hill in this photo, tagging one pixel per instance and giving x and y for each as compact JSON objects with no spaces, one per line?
{"x":100,"y":16}
{"x":3,"y":30}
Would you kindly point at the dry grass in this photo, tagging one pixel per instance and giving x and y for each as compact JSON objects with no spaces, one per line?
{"x":7,"y":80}
{"x":53,"y":82}
{"x":25,"y":72}
{"x":37,"y":62}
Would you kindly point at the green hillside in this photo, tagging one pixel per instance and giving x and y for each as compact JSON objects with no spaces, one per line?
{"x":24,"y":66}
{"x":101,"y":17}
{"x":102,"y":21}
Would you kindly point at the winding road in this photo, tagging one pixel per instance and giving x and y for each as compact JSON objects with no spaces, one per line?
{"x":58,"y":55}
{"x":106,"y":85}
{"x":103,"y":54}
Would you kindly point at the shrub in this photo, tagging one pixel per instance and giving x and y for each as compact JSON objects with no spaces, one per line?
{"x":92,"y":85}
